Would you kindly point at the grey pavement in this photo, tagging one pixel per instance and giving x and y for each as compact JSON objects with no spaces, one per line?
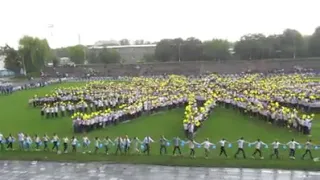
{"x":24,"y":170}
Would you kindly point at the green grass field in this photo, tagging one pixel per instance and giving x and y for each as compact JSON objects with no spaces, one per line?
{"x":17,"y":116}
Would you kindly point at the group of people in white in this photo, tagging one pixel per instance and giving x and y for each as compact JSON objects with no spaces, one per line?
{"x":126,"y":145}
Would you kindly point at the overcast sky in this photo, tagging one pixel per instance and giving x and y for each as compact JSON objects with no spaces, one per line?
{"x":151,"y":20}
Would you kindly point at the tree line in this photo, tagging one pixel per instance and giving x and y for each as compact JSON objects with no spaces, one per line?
{"x":289,"y":44}
{"x":34,"y":53}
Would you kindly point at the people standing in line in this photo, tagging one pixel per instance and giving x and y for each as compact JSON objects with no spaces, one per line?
{"x":177,"y":142}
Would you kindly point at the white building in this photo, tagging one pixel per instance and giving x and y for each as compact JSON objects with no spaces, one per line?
{"x":106,"y":43}
{"x":2,"y":62}
{"x":65,"y":61}
{"x":3,"y":71}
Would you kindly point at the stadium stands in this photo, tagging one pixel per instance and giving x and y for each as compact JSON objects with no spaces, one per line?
{"x":185,"y":68}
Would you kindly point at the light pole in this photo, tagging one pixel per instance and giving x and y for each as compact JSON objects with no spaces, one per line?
{"x":23,"y":66}
{"x":50,"y":27}
{"x":84,"y":49}
{"x":179,"y":49}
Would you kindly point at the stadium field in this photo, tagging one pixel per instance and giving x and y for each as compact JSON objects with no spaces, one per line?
{"x":17,"y":116}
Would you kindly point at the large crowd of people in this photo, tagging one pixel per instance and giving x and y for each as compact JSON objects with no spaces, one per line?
{"x":284,"y":100}
{"x":7,"y":88}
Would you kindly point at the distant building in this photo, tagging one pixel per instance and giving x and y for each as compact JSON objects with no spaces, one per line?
{"x":130,"y":53}
{"x":3,"y":71}
{"x":2,"y":58}
{"x":65,"y":61}
{"x":107,"y":43}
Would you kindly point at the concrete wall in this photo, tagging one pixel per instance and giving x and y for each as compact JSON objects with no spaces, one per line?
{"x":194,"y":67}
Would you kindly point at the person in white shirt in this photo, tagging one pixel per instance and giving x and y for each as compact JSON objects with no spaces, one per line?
{"x":192,"y":144}
{"x":308,"y":146}
{"x":10,"y":142}
{"x":85,"y":144}
{"x":65,"y":144}
{"x":1,"y":142}
{"x":119,"y":143}
{"x":136,"y":142}
{"x":206,"y":144}
{"x":275,"y":146}
{"x":258,"y":145}
{"x":186,"y":128}
{"x":106,"y":143}
{"x":147,"y":141}
{"x":222,"y":143}
{"x":96,"y":145}
{"x":45,"y":142}
{"x":241,"y":143}
{"x":292,"y":146}
{"x":126,"y":145}
{"x":309,"y":125}
{"x":190,"y":131}
{"x":21,"y":141}
{"x":37,"y":141}
{"x":55,"y":140}
{"x":28,"y":142}
{"x":74,"y":142}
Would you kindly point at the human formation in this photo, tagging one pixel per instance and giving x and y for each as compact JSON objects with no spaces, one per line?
{"x":130,"y":146}
{"x":283,"y":100}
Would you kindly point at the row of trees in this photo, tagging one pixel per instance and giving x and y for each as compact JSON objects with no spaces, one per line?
{"x":33,"y":53}
{"x":289,"y":44}
{"x":31,"y":56}
{"x":79,"y":54}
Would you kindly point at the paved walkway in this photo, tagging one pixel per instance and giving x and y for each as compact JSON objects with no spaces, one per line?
{"x":18,"y":170}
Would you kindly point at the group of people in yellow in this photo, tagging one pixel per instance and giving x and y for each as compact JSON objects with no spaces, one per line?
{"x":284,"y":100}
